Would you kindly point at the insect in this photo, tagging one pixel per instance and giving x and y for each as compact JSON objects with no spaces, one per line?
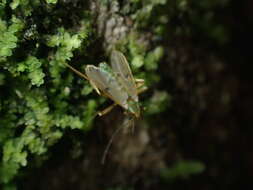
{"x":117,"y":83}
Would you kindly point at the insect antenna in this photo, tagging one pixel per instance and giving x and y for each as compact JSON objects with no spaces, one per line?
{"x":110,"y":143}
{"x":76,"y":71}
{"x":133,"y":124}
{"x":126,"y":123}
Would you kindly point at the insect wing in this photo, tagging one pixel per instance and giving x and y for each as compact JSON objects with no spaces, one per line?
{"x":123,"y":72}
{"x":108,"y":84}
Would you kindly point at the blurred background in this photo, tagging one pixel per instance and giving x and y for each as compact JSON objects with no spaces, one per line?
{"x":195,"y":129}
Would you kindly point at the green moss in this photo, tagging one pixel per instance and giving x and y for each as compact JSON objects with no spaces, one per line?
{"x":35,"y":109}
{"x":182,"y":169}
{"x":8,"y":38}
{"x":158,"y":103}
{"x":52,"y":1}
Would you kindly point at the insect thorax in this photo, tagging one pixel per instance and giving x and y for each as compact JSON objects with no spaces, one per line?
{"x":133,"y":107}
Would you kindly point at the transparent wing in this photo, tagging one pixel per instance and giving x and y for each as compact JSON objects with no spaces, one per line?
{"x":123,"y":72}
{"x":107,"y":84}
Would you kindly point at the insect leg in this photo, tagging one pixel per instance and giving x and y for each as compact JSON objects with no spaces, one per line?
{"x":139,"y":80}
{"x":107,"y":110}
{"x":95,"y":87}
{"x":141,"y":89}
{"x":140,"y":85}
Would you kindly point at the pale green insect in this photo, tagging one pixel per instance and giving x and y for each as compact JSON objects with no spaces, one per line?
{"x":116,"y":83}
